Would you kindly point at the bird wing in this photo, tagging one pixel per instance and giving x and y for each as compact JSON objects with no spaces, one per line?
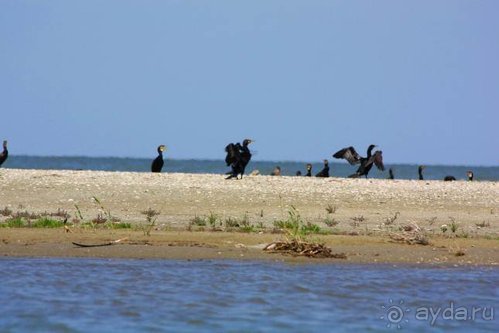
{"x":233,"y":154}
{"x":348,"y":154}
{"x":378,"y":160}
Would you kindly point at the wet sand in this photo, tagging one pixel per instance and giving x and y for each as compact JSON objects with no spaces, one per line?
{"x":361,"y":209}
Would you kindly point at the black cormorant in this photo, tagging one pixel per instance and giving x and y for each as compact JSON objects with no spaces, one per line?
{"x":449,"y":178}
{"x":5,"y":153}
{"x":469,"y":174}
{"x":366,"y":163}
{"x":325,"y":171}
{"x":298,"y":173}
{"x":238,"y":157}
{"x":390,"y":174}
{"x":420,"y":171}
{"x":309,"y":170}
{"x":158,"y":162}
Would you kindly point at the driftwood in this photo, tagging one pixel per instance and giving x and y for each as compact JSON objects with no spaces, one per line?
{"x":101,"y":244}
{"x":296,"y":248}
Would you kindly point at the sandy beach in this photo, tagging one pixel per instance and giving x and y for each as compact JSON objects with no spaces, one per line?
{"x":352,"y":214}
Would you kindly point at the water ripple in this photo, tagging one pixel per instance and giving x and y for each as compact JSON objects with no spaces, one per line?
{"x":81,"y":295}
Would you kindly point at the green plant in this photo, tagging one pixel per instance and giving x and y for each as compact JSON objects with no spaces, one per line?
{"x":453,"y":226}
{"x":151,"y":220}
{"x":106,"y":212}
{"x":292,"y":224}
{"x":15,"y":222}
{"x":295,"y":227}
{"x":120,"y":225}
{"x":78,"y":212}
{"x":310,"y":228}
{"x":198,"y":221}
{"x":212,"y":220}
{"x":231,"y":223}
{"x":47,"y":223}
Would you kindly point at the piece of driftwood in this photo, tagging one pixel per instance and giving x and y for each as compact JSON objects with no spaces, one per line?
{"x":101,"y":244}
{"x":296,"y":248}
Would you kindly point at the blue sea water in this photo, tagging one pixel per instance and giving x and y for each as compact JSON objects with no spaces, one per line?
{"x":118,"y":295}
{"x":401,"y":171}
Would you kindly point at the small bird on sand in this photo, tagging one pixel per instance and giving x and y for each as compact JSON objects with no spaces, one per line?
{"x":325,"y":171}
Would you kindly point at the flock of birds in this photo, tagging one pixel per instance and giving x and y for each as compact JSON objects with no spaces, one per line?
{"x":239,"y":155}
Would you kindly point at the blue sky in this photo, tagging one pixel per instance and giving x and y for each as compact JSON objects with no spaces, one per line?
{"x":302,"y":78}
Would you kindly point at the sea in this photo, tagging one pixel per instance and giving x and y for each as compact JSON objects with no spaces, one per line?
{"x":121,"y":295}
{"x":288,"y":168}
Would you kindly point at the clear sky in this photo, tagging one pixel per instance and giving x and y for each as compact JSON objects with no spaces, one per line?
{"x":302,"y":78}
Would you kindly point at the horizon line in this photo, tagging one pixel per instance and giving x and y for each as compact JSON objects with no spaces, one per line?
{"x":254,"y":160}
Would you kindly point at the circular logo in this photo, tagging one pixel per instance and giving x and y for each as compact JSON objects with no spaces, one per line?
{"x":394,"y":314}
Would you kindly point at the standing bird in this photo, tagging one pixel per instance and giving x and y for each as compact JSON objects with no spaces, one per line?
{"x":449,"y":178}
{"x":276,"y":171}
{"x":366,"y":163}
{"x":238,"y":157}
{"x":420,"y":171}
{"x":469,"y":174}
{"x":5,"y":153}
{"x":309,"y":170}
{"x":325,"y":171}
{"x":390,"y":174}
{"x":158,"y":162}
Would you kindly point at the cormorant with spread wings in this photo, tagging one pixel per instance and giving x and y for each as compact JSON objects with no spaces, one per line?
{"x":238,"y":157}
{"x":366,"y":163}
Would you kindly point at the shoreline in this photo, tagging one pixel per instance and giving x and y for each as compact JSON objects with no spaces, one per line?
{"x":185,"y":245}
{"x":354,"y":216}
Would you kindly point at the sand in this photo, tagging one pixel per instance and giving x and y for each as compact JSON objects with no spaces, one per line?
{"x":361,"y":209}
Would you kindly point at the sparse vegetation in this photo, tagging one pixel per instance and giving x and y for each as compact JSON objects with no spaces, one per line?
{"x":47,"y":223}
{"x":453,"y":226}
{"x":391,"y":220}
{"x":331,"y":222}
{"x":6,"y":212}
{"x":198,"y":221}
{"x":431,"y":220}
{"x":358,"y":219}
{"x":411,"y":235}
{"x":13,"y":222}
{"x":105,"y":214}
{"x":330,"y":209}
{"x":151,"y":218}
{"x":483,"y":224}
{"x":295,"y":227}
